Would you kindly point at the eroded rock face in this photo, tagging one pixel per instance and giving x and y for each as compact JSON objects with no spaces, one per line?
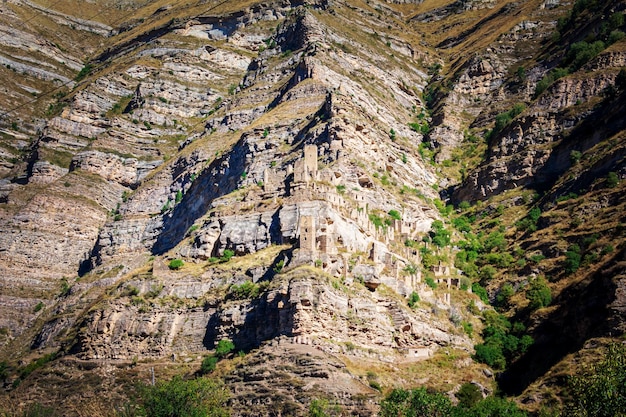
{"x":301,"y":305}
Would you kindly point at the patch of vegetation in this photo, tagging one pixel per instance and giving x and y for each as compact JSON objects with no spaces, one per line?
{"x":323,"y":408}
{"x":201,"y":397}
{"x":430,"y":282}
{"x":549,"y":79}
{"x":176,"y":264}
{"x":502,"y":342}
{"x":414,"y":298}
{"x":34,"y":365}
{"x":600,"y":389}
{"x":439,"y":235}
{"x":244,"y":291}
{"x":572,"y":259}
{"x":504,"y":119}
{"x":538,"y":293}
{"x":529,"y":223}
{"x":83,"y":73}
{"x":223,"y":348}
{"x":419,"y":402}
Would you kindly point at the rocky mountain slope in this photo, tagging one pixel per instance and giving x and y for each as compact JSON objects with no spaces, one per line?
{"x":276,"y":174}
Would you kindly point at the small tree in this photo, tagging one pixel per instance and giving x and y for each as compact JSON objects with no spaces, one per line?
{"x":468,"y":395}
{"x":539,"y":293}
{"x":176,"y":264}
{"x":572,"y":259}
{"x":601,"y":389}
{"x":224,"y":347}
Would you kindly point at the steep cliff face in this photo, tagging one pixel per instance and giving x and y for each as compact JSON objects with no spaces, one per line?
{"x":269,"y":174}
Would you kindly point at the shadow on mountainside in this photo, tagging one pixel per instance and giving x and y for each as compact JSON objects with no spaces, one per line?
{"x":594,"y":307}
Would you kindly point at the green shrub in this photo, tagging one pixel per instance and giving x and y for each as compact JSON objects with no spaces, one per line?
{"x":539,"y":293}
{"x":394,"y":214}
{"x":490,"y":354}
{"x":600,"y":389}
{"x":36,"y":364}
{"x":439,"y":235}
{"x":40,"y":305}
{"x":414,"y":298}
{"x":66,"y":288}
{"x":480,"y":292}
{"x":549,"y":79}
{"x":208,"y":365}
{"x":176,"y":264}
{"x":244,"y":291}
{"x":377,"y":221}
{"x":199,"y":397}
{"x":415,"y":403}
{"x":462,"y":224}
{"x":468,"y":328}
{"x":224,"y":347}
{"x":582,"y":52}
{"x":410,"y":269}
{"x":279,"y":266}
{"x":504,"y":295}
{"x":376,"y":386}
{"x":468,"y":395}
{"x":430,"y":282}
{"x":572,"y":259}
{"x":228,"y":254}
{"x":84,"y":72}
{"x":322,"y":408}
{"x":487,"y":273}
{"x":494,"y":407}
{"x":612,"y":179}
{"x":503,"y":119}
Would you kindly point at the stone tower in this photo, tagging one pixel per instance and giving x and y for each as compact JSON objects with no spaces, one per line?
{"x":307,"y":233}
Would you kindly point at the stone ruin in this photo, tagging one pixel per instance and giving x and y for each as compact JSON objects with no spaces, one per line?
{"x":318,"y":238}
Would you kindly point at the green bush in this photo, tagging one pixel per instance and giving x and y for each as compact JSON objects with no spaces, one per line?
{"x":228,"y":254}
{"x":176,"y":264}
{"x":419,"y":402}
{"x":582,"y":52}
{"x":208,"y":364}
{"x":549,"y":79}
{"x":201,"y":397}
{"x":490,"y":354}
{"x":244,"y":291}
{"x":224,"y":347}
{"x":468,"y":328}
{"x":600,"y":390}
{"x":468,"y":395}
{"x":480,"y":292}
{"x":430,"y":282}
{"x":612,"y":179}
{"x":504,"y":295}
{"x":414,"y":298}
{"x":394,"y":214}
{"x":494,"y":407}
{"x":323,"y":408}
{"x":415,"y":403}
{"x":572,"y":259}
{"x":539,"y":293}
{"x":84,"y":72}
{"x":439,"y":235}
{"x":503,"y":119}
{"x":279,"y":266}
